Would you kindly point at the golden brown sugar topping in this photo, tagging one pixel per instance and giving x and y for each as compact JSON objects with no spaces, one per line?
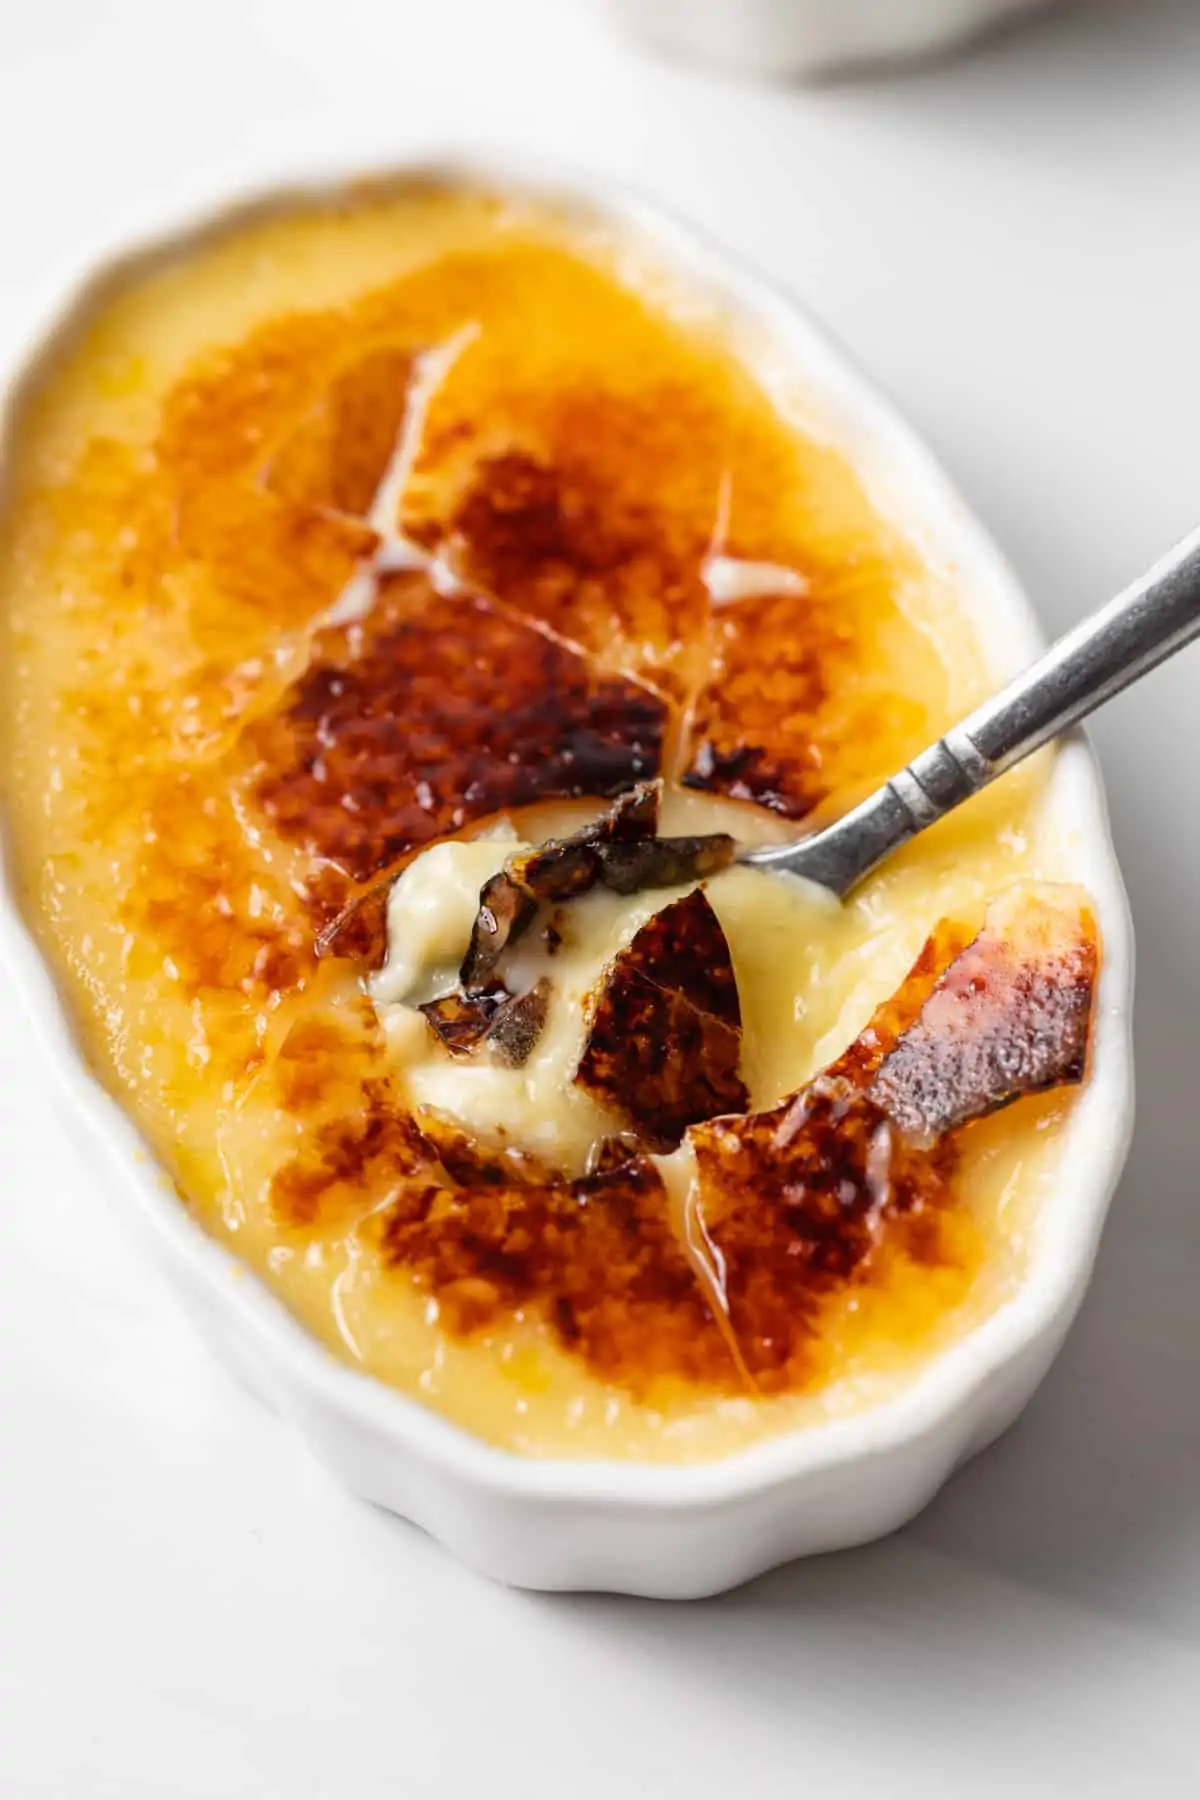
{"x":597,"y":1257}
{"x":336,"y":457}
{"x":568,"y":540}
{"x":387,"y":525}
{"x":752,"y":733}
{"x":797,"y":1203}
{"x":431,"y":714}
{"x":377,"y":1150}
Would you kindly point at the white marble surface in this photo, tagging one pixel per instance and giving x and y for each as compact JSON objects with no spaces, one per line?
{"x":187,"y":1606}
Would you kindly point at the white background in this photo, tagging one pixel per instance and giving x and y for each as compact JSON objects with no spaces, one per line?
{"x":1011,"y":244}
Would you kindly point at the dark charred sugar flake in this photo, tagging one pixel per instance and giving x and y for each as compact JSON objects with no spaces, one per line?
{"x":505,"y":911}
{"x":627,"y":868}
{"x":462,"y":1021}
{"x":1010,"y":1015}
{"x":664,"y":1041}
{"x":561,"y":868}
{"x":521,"y":719}
{"x":634,"y":815}
{"x":509,"y":1025}
{"x":518,"y":1024}
{"x":620,"y":851}
{"x":556,"y":870}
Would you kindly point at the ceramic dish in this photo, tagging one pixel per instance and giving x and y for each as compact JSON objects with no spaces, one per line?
{"x":780,"y":38}
{"x":629,"y":1526}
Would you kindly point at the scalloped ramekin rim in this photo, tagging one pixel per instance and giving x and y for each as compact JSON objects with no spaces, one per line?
{"x":951,"y":1385}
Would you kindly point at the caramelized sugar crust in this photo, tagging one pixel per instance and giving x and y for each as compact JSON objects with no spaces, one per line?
{"x":1009,"y":1016}
{"x":796,"y":1204}
{"x":598,"y":1256}
{"x":665,"y":1035}
{"x":255,"y":756}
{"x":433,"y":713}
{"x":578,"y":652}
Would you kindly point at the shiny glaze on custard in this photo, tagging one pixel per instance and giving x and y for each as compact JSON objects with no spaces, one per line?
{"x":208,"y":760}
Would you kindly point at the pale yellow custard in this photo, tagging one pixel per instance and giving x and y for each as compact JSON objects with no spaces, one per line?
{"x":436,"y":516}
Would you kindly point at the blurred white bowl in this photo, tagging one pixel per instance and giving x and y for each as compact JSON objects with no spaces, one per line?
{"x":808,"y":37}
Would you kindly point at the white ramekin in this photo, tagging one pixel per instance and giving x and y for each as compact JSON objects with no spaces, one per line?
{"x":625,"y":1527}
{"x":781,"y":38}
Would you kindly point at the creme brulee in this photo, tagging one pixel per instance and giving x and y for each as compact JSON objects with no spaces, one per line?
{"x":350,"y":551}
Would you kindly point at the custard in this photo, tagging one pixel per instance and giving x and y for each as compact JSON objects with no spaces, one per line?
{"x":344,"y":553}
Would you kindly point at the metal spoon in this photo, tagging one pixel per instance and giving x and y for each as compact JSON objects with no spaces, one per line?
{"x":1124,"y":640}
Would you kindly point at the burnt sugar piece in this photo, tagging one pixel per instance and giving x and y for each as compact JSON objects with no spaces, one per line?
{"x":596,"y":1258}
{"x":461,"y":1021}
{"x":664,"y":1038}
{"x":505,"y":911}
{"x":516,"y":1028}
{"x":664,"y":862}
{"x":621,"y":851}
{"x":561,"y":868}
{"x":618,"y":849}
{"x":632,"y":816}
{"x":860,"y":1061}
{"x":796,"y":1200}
{"x":434,"y":711}
{"x":1010,"y":1015}
{"x":509,"y":1024}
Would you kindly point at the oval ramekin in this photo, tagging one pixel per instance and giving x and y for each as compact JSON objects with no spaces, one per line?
{"x":669,"y":1531}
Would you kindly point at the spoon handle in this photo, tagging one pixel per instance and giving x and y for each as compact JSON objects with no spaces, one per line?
{"x":1152,"y":619}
